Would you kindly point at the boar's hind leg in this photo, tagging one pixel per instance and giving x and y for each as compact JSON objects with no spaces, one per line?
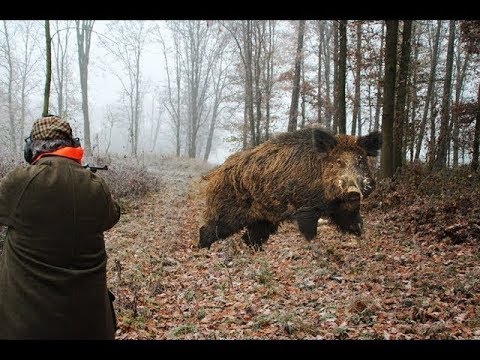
{"x":258,"y":232}
{"x":307,"y":220}
{"x":212,"y":232}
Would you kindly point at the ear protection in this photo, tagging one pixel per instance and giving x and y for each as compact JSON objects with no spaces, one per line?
{"x":28,"y":148}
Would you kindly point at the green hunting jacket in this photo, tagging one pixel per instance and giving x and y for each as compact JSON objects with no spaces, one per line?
{"x":53,"y":266}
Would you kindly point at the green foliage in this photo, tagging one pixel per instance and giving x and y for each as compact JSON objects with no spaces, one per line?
{"x":183,"y":330}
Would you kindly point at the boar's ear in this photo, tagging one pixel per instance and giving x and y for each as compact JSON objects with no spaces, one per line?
{"x":371,"y":143}
{"x":323,"y":141}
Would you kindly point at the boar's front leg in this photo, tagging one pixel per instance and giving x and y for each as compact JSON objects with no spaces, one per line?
{"x":213,"y":231}
{"x":349,"y":221}
{"x":258,"y":232}
{"x":307,"y":220}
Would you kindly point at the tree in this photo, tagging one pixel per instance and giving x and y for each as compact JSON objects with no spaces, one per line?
{"x":358,"y":67}
{"x":429,"y":100}
{"x":19,"y":77}
{"x":380,"y":79}
{"x":48,"y":73}
{"x":84,"y":34}
{"x":126,"y":43}
{"x":254,"y":40}
{"x":10,"y":80}
{"x":336,"y":81}
{"x":174,"y":86}
{"x":60,"y":51}
{"x":342,"y":73}
{"x":197,"y":64}
{"x":476,"y":138}
{"x":268,"y":74}
{"x":292,"y":120}
{"x":158,"y":106}
{"x":400,"y":106}
{"x":219,"y":85}
{"x":242,"y":33}
{"x":391,"y":39}
{"x":327,"y":59}
{"x":471,"y":37}
{"x":321,"y":40}
{"x":461,"y":70}
{"x":412,"y":94}
{"x":444,"y":138}
{"x":27,"y":69}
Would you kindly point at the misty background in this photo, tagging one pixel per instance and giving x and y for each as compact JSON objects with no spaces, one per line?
{"x":204,"y":89}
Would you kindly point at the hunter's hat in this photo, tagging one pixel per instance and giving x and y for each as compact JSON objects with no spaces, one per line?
{"x":51,"y":127}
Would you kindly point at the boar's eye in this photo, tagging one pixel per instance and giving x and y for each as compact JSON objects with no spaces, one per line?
{"x":340,"y":163}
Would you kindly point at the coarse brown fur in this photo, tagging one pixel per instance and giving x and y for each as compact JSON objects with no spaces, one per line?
{"x":293,"y":176}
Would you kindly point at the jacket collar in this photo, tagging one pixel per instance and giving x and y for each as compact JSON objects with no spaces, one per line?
{"x":74,"y":153}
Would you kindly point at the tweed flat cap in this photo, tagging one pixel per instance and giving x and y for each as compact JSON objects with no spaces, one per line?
{"x":51,"y":127}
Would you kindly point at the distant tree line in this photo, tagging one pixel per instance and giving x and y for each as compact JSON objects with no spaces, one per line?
{"x":415,"y":80}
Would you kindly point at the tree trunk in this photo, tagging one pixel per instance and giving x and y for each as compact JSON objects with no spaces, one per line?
{"x":211,"y":130}
{"x":321,"y":39}
{"x":245,"y":122}
{"x":476,"y":137}
{"x":327,"y":60}
{"x":342,"y":75}
{"x":336,"y":84}
{"x":173,"y":106}
{"x":84,"y":34}
{"x":10,"y":80}
{"x":259,"y":37}
{"x":61,"y":66}
{"x":378,"y":106}
{"x":358,"y":66}
{"x":430,"y":93}
{"x":410,"y":133}
{"x":247,"y":35}
{"x":292,"y":120}
{"x":370,"y":111}
{"x":269,"y":75}
{"x":391,"y":39}
{"x":304,"y":99}
{"x":460,"y":77}
{"x":158,"y":121}
{"x":444,"y":138}
{"x":400,"y":112}
{"x":359,"y":122}
{"x":48,"y":73}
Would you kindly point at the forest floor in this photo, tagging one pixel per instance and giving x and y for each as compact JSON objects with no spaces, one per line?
{"x":415,"y":274}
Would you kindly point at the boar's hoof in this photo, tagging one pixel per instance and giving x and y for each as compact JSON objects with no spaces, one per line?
{"x":257,"y":233}
{"x":356,"y":228}
{"x":255,"y":244}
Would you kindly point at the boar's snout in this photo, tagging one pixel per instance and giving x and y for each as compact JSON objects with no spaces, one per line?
{"x":356,"y":188}
{"x":350,"y":188}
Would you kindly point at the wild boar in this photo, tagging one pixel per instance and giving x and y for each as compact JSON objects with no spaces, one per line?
{"x":296,"y":176}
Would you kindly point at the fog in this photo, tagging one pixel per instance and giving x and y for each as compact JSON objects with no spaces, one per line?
{"x":105,"y":90}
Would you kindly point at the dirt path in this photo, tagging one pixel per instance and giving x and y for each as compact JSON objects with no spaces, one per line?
{"x":384,"y":286}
